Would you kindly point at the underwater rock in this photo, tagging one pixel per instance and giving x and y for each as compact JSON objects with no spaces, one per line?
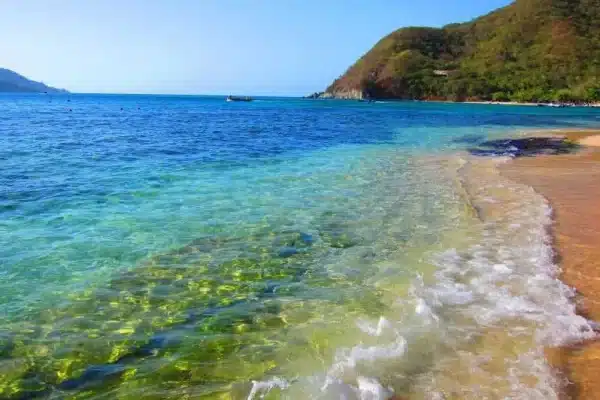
{"x":338,"y":239}
{"x":285,"y":252}
{"x":204,"y":245}
{"x":265,"y":242}
{"x":27,"y":394}
{"x":290,"y":243}
{"x":368,"y":255}
{"x":6,"y":344}
{"x":150,"y":349}
{"x":94,"y":375}
{"x":271,"y":288}
{"x":293,"y":239}
{"x":524,"y":147}
{"x":336,"y":230}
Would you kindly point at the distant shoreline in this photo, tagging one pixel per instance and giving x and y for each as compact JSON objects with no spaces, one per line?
{"x":516,"y":103}
{"x":355,"y":97}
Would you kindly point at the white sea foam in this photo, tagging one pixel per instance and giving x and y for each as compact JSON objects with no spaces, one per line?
{"x":499,"y":292}
{"x":367,"y":327}
{"x":475,"y":328}
{"x":348,"y":359}
{"x":261,"y":388}
{"x":371,"y":389}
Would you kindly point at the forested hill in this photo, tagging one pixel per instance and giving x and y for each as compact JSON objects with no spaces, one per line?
{"x":531,"y":50}
{"x":11,"y":81}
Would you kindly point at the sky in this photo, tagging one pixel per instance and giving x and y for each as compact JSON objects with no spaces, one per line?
{"x":255,"y":47}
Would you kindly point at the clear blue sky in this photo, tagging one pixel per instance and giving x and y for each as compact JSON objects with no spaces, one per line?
{"x":279,"y":47}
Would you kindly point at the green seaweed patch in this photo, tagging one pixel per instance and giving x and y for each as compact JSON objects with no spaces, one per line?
{"x":338,"y":230}
{"x":201,"y":315}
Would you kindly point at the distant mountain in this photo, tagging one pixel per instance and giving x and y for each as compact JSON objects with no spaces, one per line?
{"x":11,"y":81}
{"x":530,"y":50}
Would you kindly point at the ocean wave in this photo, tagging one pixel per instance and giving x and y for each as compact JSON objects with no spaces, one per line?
{"x":477,"y":327}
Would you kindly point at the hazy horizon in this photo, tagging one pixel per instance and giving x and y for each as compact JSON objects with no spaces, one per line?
{"x":184,"y":47}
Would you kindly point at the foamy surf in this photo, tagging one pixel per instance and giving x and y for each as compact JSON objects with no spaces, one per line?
{"x":476,"y":327}
{"x":503,"y":296}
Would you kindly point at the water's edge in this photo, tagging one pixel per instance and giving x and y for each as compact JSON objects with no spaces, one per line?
{"x":559,"y":357}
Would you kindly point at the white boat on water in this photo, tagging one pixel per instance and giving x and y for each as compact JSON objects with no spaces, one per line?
{"x":238,"y":98}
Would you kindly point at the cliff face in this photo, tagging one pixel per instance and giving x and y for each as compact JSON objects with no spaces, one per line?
{"x":11,"y":81}
{"x":531,"y":50}
{"x":344,"y":93}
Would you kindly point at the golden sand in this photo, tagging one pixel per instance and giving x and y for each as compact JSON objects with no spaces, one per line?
{"x":591,"y":141}
{"x":572,"y":185}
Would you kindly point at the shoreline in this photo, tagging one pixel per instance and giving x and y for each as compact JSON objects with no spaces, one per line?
{"x":515,"y":103}
{"x":529,"y":104}
{"x":357,"y":97}
{"x":569,"y":183}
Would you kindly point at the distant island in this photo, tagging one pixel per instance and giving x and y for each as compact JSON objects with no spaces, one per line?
{"x":10,"y":81}
{"x":529,"y":51}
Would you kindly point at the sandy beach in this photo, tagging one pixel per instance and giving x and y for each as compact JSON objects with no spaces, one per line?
{"x":571,"y":184}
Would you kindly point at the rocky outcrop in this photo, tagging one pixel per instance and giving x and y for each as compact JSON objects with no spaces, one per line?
{"x":315,"y":95}
{"x":349,"y":94}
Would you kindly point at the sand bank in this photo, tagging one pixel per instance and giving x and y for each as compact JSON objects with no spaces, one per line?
{"x":571,"y":183}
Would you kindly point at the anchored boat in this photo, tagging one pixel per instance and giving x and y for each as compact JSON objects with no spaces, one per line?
{"x":238,"y":98}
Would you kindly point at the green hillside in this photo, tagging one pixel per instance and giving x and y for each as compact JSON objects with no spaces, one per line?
{"x":531,"y":50}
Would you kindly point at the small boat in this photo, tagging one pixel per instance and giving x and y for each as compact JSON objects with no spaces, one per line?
{"x":238,"y":98}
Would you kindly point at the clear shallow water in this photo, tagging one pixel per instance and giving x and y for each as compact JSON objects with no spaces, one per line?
{"x":163,"y":247}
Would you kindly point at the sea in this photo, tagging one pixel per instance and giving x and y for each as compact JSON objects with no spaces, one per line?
{"x":184,"y":247}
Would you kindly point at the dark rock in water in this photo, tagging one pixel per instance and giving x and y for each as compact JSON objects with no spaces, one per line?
{"x":32,"y":386}
{"x":336,"y":230}
{"x":368,"y":254}
{"x":315,"y":95}
{"x":272,"y":241}
{"x":306,"y":238}
{"x":341,"y":241}
{"x":524,"y":147}
{"x":94,"y":375}
{"x":33,"y":394}
{"x":287,"y":252}
{"x":293,"y":239}
{"x":290,"y":243}
{"x":100,"y":374}
{"x":271,"y":288}
{"x":6,"y":344}
{"x":150,"y":349}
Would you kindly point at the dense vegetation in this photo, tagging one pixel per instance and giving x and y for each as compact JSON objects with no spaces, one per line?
{"x":11,"y":81}
{"x":531,"y":50}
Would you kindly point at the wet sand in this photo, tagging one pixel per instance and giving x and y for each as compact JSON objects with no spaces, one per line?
{"x":571,"y":183}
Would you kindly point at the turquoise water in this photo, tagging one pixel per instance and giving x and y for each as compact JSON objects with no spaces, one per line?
{"x":185,"y":247}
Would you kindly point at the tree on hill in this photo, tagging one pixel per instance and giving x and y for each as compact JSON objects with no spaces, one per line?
{"x":531,"y":50}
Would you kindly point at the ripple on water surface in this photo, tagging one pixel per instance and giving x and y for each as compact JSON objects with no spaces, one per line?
{"x":363,"y":303}
{"x":178,"y":252}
